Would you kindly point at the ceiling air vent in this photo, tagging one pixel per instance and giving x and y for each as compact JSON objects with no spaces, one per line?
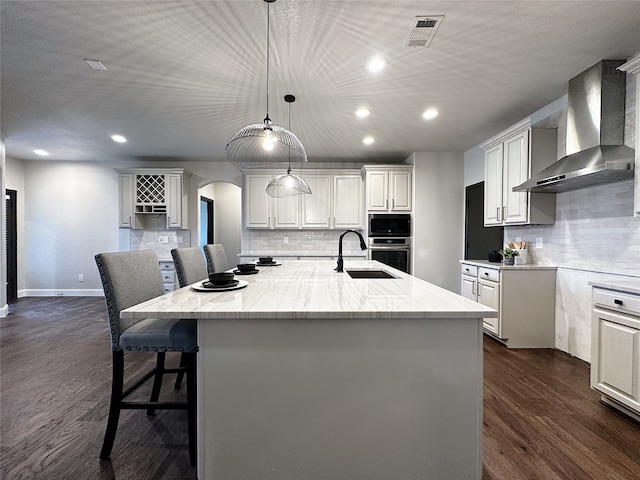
{"x":423,"y":29}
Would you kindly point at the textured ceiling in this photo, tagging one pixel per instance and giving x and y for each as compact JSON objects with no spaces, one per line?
{"x":183,"y":76}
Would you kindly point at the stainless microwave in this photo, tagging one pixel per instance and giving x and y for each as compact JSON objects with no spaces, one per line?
{"x":389,"y":225}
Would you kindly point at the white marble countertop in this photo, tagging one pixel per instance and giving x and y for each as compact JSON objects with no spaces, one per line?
{"x":628,"y":286}
{"x":312,"y":289}
{"x":500,"y":266}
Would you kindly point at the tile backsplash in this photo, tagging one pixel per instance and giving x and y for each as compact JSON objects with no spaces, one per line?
{"x":595,"y":230}
{"x":150,"y":240}
{"x":317,"y":242}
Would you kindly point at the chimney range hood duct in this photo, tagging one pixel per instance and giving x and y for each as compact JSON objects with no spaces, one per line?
{"x":595,"y":132}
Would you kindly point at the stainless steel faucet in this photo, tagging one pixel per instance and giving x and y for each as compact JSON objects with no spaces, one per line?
{"x":363,"y":246}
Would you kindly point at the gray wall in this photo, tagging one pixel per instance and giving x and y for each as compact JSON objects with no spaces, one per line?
{"x":68,"y":212}
{"x":438,"y":217}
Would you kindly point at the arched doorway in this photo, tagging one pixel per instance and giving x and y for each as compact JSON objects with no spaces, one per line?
{"x":225,"y":201}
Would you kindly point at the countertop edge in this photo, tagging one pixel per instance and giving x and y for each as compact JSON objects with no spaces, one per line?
{"x":500,"y":266}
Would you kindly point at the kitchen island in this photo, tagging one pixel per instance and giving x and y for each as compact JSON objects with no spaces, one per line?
{"x":307,"y":373}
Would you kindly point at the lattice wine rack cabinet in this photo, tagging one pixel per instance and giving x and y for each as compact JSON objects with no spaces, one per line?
{"x":150,"y":193}
{"x":145,"y":193}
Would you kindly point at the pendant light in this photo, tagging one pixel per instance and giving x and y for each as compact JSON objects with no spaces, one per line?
{"x":265,"y":143}
{"x":288,"y":185}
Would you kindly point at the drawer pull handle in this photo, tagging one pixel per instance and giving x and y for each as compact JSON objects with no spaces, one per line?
{"x":618,"y":302}
{"x":486,"y":273}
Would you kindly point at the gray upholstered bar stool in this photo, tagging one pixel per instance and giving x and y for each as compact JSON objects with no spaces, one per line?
{"x":190,"y":265}
{"x":191,"y":268}
{"x":129,"y":278}
{"x":216,"y":258}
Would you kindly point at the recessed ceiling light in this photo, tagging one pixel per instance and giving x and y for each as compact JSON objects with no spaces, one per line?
{"x":430,"y":113}
{"x":363,"y":112}
{"x":95,"y":64}
{"x":376,"y":64}
{"x":118,"y":138}
{"x":42,"y":153}
{"x":368,"y":140}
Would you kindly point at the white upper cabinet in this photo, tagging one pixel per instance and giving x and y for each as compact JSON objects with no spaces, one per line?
{"x":152,"y":191}
{"x":258,"y":208}
{"x":316,"y":212}
{"x":126,"y":193}
{"x":348,"y":202}
{"x":389,"y":189}
{"x":336,"y":201}
{"x":510,"y":159}
{"x":174,"y":200}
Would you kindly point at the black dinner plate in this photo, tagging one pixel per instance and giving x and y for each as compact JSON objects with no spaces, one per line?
{"x":232,"y":283}
{"x":250,"y":272}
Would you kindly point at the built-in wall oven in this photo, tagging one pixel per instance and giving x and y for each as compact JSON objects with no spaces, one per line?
{"x":390,"y":240}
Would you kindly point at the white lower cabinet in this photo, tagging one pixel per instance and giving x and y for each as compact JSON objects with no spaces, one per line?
{"x":489,"y":295}
{"x":615,"y":348}
{"x":168,"y":271}
{"x":523,"y":295}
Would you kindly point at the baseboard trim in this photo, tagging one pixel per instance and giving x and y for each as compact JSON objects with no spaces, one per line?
{"x":45,"y":292}
{"x":4,"y":311}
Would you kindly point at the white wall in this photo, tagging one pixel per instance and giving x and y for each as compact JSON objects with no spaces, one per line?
{"x":227,"y":216}
{"x":227,"y":220}
{"x":438,"y":217}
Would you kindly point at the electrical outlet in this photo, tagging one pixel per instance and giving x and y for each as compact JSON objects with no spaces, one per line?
{"x":179,"y":239}
{"x":539,"y":242}
{"x":81,"y":277}
{"x":286,"y":239}
{"x":160,"y":239}
{"x":518,"y":239}
{"x":166,"y":239}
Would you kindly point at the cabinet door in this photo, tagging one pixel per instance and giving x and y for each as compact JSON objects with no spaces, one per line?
{"x":173,"y":197}
{"x":469,"y":288}
{"x":615,"y":367}
{"x":347,"y":201}
{"x":377,"y":191}
{"x":316,"y":208}
{"x":493,"y":186}
{"x":286,"y":211}
{"x":400,"y":191}
{"x":489,"y":295}
{"x":258,"y":205}
{"x":515,"y":171}
{"x":126,"y":190}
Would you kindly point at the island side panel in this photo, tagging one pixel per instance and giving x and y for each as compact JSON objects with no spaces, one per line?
{"x":340,"y":399}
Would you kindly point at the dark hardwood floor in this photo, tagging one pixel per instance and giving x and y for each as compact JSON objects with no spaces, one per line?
{"x":541,"y":420}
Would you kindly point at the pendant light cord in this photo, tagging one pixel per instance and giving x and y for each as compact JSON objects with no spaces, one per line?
{"x":268,"y":23}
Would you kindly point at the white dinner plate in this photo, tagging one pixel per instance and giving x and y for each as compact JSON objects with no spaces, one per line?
{"x":200,"y":288}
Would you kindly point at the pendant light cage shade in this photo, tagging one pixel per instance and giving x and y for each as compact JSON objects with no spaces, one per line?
{"x":246,"y":148}
{"x":287,"y":186}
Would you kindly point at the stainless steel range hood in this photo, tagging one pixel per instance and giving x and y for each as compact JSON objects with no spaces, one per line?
{"x":595,"y":134}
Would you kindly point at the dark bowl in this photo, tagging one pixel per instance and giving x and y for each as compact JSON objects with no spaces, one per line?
{"x":266,"y":259}
{"x":246,"y":267}
{"x":221,"y":278}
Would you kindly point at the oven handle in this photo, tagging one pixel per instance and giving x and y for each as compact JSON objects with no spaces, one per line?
{"x":395,"y":247}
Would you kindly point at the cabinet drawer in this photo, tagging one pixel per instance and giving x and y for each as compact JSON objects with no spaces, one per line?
{"x":168,"y":277}
{"x":165,"y":266}
{"x":169,"y":287}
{"x":469,"y":270}
{"x":489,"y":274}
{"x":617,"y":300}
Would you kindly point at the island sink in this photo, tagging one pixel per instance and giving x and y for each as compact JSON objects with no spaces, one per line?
{"x":369,"y":273}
